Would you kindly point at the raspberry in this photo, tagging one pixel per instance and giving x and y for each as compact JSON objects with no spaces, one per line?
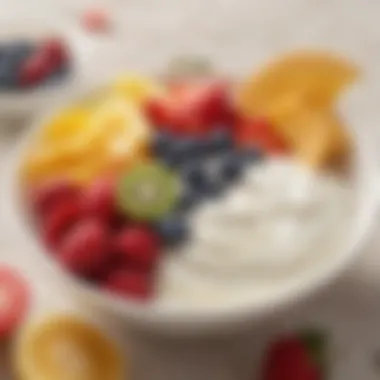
{"x":35,"y":69}
{"x":84,"y":249}
{"x":126,"y":283}
{"x":99,"y":200}
{"x":55,"y":51}
{"x":139,"y":246}
{"x":59,"y":219}
{"x":47,"y":195}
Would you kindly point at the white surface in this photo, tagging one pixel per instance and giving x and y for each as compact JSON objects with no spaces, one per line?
{"x":238,"y":34}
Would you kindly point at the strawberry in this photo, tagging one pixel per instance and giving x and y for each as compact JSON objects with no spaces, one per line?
{"x":260,"y":134}
{"x":84,"y":249}
{"x":59,"y":219}
{"x":291,"y":358}
{"x":48,"y":194}
{"x":133,"y":284}
{"x":96,"y":20}
{"x":15,"y":299}
{"x":137,"y":245}
{"x":99,"y":199}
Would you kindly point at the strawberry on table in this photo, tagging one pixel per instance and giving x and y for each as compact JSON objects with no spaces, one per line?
{"x":297,"y":357}
{"x":14,"y":300}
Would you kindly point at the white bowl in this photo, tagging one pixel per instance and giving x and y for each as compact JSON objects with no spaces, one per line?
{"x":362,"y":116}
{"x":22,"y":103}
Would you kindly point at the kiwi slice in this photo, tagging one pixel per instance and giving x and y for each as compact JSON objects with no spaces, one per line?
{"x":148,"y":191}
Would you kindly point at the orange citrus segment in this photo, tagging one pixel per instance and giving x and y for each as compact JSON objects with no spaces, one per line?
{"x":66,"y":348}
{"x":318,"y":77}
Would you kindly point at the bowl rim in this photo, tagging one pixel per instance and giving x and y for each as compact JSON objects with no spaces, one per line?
{"x":197,"y":319}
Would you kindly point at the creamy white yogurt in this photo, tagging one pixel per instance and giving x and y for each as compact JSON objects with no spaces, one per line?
{"x":281,"y":220}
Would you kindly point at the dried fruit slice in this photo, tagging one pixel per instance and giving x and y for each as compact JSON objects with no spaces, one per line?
{"x":66,"y":348}
{"x":317,"y":77}
{"x":148,"y":191}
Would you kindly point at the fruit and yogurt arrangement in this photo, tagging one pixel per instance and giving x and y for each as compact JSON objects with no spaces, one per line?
{"x":193,"y":191}
{"x":27,"y":64}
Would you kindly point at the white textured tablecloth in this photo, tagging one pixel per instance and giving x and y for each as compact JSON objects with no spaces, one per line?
{"x":235,"y":34}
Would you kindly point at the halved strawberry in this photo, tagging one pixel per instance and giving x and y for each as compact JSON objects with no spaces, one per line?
{"x":14,"y":300}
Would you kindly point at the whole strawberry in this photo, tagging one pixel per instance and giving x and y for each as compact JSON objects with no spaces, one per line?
{"x":295,"y":358}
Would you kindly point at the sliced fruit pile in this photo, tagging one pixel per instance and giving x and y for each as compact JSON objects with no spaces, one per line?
{"x":27,"y":64}
{"x":112,"y":181}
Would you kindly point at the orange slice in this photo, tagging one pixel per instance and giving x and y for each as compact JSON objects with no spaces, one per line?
{"x":316,"y":77}
{"x":66,"y":348}
{"x":317,"y":136}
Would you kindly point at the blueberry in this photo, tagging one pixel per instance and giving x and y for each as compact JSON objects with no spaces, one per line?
{"x":7,"y":75}
{"x":185,"y":150}
{"x":196,"y":176}
{"x":252,"y":155}
{"x":18,"y":51}
{"x":220,"y":140}
{"x":189,"y":200}
{"x":173,"y":230}
{"x":161,"y":144}
{"x":232,"y":166}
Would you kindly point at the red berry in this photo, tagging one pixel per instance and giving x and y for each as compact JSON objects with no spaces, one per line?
{"x":47,"y":195}
{"x":14,"y":300}
{"x":260,"y":133}
{"x":57,"y":221}
{"x":138,"y":246}
{"x":35,"y":69}
{"x":159,"y":111}
{"x":84,"y":249}
{"x":130,"y":284}
{"x":289,"y":359}
{"x":55,"y":51}
{"x":213,"y":104}
{"x":96,"y":20}
{"x":99,"y":200}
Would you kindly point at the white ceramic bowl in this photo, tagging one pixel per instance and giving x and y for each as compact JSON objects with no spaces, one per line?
{"x":22,"y":103}
{"x":360,"y":114}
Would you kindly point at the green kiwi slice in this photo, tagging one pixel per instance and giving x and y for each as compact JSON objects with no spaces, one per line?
{"x":148,"y":191}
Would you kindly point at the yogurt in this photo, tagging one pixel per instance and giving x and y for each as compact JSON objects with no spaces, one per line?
{"x":281,"y":220}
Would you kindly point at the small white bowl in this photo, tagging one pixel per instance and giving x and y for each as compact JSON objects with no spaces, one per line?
{"x":361,"y":115}
{"x":22,"y":103}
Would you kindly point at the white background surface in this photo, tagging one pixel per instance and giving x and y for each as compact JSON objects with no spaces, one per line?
{"x":236,"y":34}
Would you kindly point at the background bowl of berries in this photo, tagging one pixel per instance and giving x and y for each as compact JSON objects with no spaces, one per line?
{"x":36,"y":66}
